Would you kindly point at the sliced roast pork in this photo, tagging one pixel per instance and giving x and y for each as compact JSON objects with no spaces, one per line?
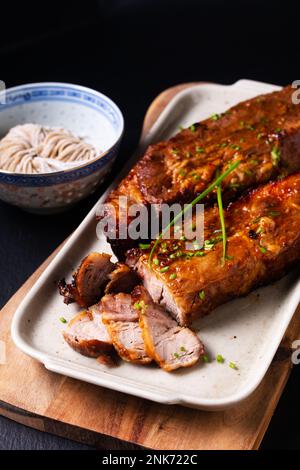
{"x":170,"y":345}
{"x":88,"y":281}
{"x":121,"y":320}
{"x":121,"y":279}
{"x":87,"y":334}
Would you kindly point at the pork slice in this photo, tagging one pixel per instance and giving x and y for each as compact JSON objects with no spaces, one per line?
{"x":88,"y":281}
{"x":121,"y":279}
{"x":87,"y":334}
{"x":170,"y":345}
{"x":121,"y":320}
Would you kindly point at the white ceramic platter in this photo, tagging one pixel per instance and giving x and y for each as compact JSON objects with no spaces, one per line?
{"x":246,"y":331}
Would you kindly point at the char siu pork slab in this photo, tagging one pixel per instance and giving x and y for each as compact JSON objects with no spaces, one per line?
{"x":263,"y":133}
{"x":263,"y":230}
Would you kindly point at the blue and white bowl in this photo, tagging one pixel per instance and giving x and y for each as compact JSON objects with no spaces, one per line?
{"x":84,"y":112}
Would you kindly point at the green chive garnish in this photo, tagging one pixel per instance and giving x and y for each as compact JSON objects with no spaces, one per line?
{"x":156,"y":262}
{"x":199,"y":253}
{"x":173,"y":276}
{"x":63,"y":320}
{"x":144,"y":246}
{"x":275,"y":155}
{"x":262,"y":249}
{"x":199,"y":149}
{"x":215,"y":117}
{"x":191,"y":205}
{"x":274,"y":213}
{"x":220,"y":358}
{"x":165,"y":269}
{"x":205,"y":358}
{"x":192,"y":128}
{"x":232,"y":365}
{"x":202,"y":295}
{"x":137,"y":305}
{"x":182,"y":348}
{"x":176,"y":355}
{"x":222,"y":221}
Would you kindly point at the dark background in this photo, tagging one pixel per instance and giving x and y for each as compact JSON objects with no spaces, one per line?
{"x":131,"y":50}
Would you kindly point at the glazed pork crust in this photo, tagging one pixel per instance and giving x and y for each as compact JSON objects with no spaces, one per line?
{"x":263,"y":133}
{"x":263,"y":229}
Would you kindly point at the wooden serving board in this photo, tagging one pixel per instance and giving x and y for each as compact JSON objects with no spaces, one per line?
{"x":33,"y":396}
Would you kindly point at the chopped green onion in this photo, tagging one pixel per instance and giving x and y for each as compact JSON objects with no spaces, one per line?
{"x":182,"y":348}
{"x":260,"y":135}
{"x":165,"y":269}
{"x":262,"y":249}
{"x":202,"y":295}
{"x":199,"y":149}
{"x":242,"y":139}
{"x":156,"y":262}
{"x":275,"y":155}
{"x":274,"y":213}
{"x":137,"y":305}
{"x":199,"y":253}
{"x":232,"y":365}
{"x":175,"y":151}
{"x":176,"y":355}
{"x":220,"y":358}
{"x":208,"y":245}
{"x":63,"y":320}
{"x":215,"y":117}
{"x":192,"y":128}
{"x":144,"y":246}
{"x":182,"y":172}
{"x":191,"y":205}
{"x":173,"y":276}
{"x":205,"y":358}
